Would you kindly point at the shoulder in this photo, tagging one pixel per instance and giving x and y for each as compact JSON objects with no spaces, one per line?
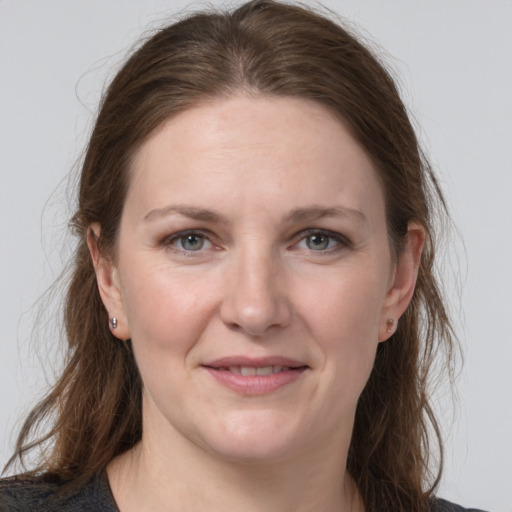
{"x":52,"y":494}
{"x":440,"y":505}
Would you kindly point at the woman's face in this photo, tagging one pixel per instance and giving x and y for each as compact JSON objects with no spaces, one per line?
{"x":254,"y":277}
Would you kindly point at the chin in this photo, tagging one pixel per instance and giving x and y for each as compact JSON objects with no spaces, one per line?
{"x":256,"y":439}
{"x":252,"y":452}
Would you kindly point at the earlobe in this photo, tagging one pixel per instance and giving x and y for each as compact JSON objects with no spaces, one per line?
{"x":107,"y":278}
{"x":403,"y":283}
{"x":390,"y":325}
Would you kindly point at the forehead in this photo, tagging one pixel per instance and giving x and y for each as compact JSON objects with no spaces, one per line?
{"x":264,"y":152}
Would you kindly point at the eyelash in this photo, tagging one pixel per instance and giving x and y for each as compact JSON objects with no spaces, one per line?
{"x":341,"y":241}
{"x":170,"y":241}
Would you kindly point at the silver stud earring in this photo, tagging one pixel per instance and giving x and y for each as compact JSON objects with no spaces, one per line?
{"x":391,"y":325}
{"x":113,"y":322}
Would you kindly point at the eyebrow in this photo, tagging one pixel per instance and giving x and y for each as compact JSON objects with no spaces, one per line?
{"x":297,"y":215}
{"x":186,"y":211}
{"x":319,"y":212}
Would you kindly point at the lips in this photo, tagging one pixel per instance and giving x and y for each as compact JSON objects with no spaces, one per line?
{"x":259,"y":376}
{"x":249,"y":371}
{"x":254,"y":362}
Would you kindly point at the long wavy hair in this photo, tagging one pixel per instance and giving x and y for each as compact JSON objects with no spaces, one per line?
{"x":93,"y":412}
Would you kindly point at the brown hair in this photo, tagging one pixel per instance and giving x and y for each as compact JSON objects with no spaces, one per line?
{"x":264,"y":48}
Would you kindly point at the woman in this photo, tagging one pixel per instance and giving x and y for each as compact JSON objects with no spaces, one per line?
{"x":252,"y":313}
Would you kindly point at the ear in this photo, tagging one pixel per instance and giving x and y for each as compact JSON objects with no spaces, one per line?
{"x":403,"y":281}
{"x":107,"y":277}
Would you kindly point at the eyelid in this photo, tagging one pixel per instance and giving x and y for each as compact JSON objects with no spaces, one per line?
{"x":168,"y":241}
{"x":342,"y":240}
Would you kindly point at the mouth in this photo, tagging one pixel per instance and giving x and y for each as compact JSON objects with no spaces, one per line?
{"x":250,"y":371}
{"x":255,"y":376}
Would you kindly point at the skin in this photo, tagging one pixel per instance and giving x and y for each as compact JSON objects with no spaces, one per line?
{"x":290,"y":259}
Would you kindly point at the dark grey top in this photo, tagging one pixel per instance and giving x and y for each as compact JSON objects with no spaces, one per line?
{"x":50,"y":494}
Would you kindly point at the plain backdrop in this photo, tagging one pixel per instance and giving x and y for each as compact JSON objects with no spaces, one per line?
{"x":454,"y":63}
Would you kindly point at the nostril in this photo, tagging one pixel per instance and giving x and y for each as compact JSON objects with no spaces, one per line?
{"x":254,"y":301}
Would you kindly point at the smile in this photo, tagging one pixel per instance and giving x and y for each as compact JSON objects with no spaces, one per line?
{"x":249,"y":371}
{"x":255,"y":378}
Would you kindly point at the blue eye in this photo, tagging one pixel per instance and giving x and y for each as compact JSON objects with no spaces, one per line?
{"x":191,"y":242}
{"x":322,"y":241}
{"x":318,"y":242}
{"x":187,"y":243}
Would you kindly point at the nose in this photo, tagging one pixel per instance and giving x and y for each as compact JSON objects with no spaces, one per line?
{"x":255,"y":299}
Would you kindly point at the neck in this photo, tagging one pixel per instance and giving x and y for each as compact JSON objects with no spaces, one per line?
{"x":139,"y":483}
{"x":175,"y":475}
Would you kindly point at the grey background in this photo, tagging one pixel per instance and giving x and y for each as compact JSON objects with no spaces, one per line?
{"x":454,"y":60}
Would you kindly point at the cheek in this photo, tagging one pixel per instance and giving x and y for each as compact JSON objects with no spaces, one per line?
{"x":344,"y":316}
{"x":166,"y":311}
{"x":347,"y":304}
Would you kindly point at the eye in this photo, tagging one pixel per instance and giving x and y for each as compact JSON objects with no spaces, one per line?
{"x":322,"y":241}
{"x":188,"y":242}
{"x":318,"y":242}
{"x":192,"y":242}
